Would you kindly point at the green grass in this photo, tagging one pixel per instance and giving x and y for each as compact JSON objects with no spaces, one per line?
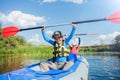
{"x":41,"y":51}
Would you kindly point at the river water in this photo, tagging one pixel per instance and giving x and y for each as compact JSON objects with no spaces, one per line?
{"x":101,"y":66}
{"x":104,"y":67}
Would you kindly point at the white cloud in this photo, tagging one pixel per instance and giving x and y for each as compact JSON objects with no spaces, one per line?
{"x":48,"y":1}
{"x":101,"y":39}
{"x":49,"y":32}
{"x":35,"y":39}
{"x":75,"y":41}
{"x":95,"y":42}
{"x":21,"y":19}
{"x":70,"y":1}
{"x":105,"y":39}
{"x":74,"y":1}
{"x":109,"y":36}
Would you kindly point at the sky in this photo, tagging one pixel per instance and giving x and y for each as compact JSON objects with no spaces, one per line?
{"x":33,"y":13}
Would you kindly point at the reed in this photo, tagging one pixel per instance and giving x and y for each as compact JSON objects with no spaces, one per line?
{"x":42,"y":51}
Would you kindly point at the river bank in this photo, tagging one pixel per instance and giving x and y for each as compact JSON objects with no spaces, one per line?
{"x":43,"y":49}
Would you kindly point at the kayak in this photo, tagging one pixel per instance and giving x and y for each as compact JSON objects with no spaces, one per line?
{"x":78,"y":71}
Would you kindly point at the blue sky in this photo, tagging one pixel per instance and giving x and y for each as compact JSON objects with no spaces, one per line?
{"x":31,"y":13}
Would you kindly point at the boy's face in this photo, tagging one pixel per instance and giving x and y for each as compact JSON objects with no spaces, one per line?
{"x":58,"y":39}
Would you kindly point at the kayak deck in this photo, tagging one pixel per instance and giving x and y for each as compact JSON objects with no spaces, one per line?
{"x":78,"y":70}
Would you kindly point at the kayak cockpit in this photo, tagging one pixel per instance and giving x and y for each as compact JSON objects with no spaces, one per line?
{"x":78,"y":70}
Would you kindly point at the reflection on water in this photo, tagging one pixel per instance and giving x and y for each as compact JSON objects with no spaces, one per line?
{"x":103,"y":66}
{"x":11,"y":62}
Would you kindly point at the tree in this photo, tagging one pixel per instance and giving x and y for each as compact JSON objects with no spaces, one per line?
{"x":11,"y":42}
{"x":117,"y":43}
{"x":117,"y":39}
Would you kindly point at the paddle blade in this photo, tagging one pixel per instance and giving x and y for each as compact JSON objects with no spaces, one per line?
{"x":9,"y":31}
{"x":115,"y":17}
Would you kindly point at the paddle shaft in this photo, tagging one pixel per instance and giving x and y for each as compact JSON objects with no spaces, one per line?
{"x":41,"y":27}
{"x":77,"y":22}
{"x":30,"y":28}
{"x":85,"y":34}
{"x":80,"y":34}
{"x":12,"y":30}
{"x":88,"y":21}
{"x":95,"y":20}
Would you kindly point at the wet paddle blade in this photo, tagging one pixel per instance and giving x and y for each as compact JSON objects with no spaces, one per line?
{"x":9,"y":31}
{"x":115,"y":17}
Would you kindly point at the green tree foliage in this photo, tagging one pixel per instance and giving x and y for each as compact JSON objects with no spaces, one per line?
{"x":11,"y":42}
{"x":117,"y":43}
{"x":117,"y":39}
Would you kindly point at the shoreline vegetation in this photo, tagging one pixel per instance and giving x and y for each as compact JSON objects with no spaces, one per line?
{"x":47,"y":50}
{"x":18,"y":45}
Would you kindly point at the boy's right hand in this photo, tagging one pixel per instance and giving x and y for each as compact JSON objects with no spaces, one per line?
{"x":73,"y":24}
{"x":43,"y":28}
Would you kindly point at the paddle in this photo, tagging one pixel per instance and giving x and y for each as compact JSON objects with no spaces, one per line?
{"x":12,"y":30}
{"x":86,"y":34}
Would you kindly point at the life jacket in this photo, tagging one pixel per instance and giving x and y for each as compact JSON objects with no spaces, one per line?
{"x":74,"y":50}
{"x":60,"y":50}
